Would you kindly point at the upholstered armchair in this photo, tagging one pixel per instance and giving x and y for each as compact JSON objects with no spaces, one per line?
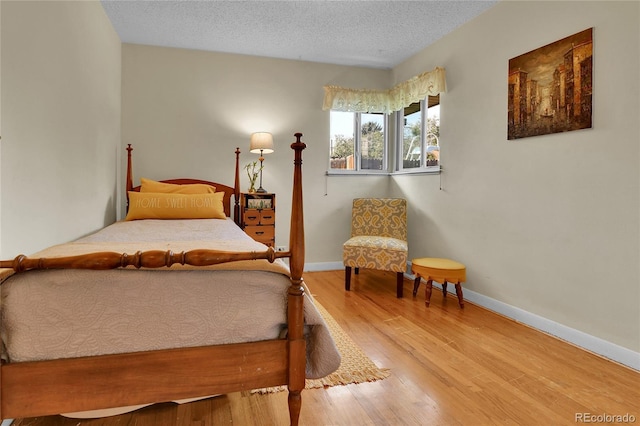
{"x":378,"y":238}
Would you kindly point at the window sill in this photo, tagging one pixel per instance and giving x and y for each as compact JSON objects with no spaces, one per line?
{"x":357,"y":173}
{"x":434,"y":170}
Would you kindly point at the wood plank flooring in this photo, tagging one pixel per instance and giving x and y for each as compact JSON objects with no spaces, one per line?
{"x":448,"y":367}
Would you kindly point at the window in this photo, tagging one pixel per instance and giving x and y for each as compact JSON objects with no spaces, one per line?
{"x":358,"y":141}
{"x":419,"y":134}
{"x":359,"y":132}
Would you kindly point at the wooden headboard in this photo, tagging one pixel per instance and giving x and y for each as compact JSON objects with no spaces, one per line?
{"x":228,"y":190}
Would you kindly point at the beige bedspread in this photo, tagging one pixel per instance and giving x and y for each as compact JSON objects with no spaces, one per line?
{"x":71,"y":313}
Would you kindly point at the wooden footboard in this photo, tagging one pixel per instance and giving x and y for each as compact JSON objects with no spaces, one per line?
{"x":33,"y":389}
{"x":79,"y":384}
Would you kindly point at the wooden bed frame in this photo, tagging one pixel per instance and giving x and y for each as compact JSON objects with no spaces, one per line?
{"x":40,"y":388}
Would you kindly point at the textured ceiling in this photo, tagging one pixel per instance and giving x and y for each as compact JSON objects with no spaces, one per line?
{"x":375,"y":34}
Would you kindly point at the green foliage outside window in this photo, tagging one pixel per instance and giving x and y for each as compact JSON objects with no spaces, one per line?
{"x":372,"y":142}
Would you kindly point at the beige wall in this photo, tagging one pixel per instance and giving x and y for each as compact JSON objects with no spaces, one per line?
{"x":185,"y":112}
{"x":547,"y":224}
{"x":60,"y":122}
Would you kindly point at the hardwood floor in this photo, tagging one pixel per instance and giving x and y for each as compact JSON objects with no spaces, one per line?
{"x":448,"y":367}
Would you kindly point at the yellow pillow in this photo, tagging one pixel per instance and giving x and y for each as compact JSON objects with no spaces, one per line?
{"x":151,"y":205}
{"x":148,"y":185}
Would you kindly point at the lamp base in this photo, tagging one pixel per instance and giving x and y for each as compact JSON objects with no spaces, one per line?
{"x":261,"y":190}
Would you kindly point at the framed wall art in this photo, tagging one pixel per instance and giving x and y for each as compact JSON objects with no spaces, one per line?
{"x":550,"y":88}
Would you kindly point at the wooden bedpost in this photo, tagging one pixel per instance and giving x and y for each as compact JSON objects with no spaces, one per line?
{"x":129,"y":174}
{"x":297,"y":348}
{"x":236,"y":190}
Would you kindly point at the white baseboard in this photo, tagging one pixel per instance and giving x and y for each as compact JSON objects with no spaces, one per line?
{"x":323,"y":266}
{"x":586,"y":341}
{"x":6,"y":422}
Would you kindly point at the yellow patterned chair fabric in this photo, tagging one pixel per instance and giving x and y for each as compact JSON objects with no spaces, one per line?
{"x":378,"y":238}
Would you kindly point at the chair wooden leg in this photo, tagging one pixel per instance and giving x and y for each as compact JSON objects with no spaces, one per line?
{"x":399,"y":284}
{"x":357,"y":271}
{"x":459,"y":293}
{"x":347,"y":278}
{"x":416,"y":284}
{"x":427,"y":298}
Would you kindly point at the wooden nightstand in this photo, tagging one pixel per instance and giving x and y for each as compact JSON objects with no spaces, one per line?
{"x":258,"y":216}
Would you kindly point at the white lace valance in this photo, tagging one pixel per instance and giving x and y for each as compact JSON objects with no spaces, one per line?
{"x":386,"y":101}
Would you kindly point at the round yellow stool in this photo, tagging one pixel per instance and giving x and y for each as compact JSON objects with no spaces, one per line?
{"x":440,"y":270}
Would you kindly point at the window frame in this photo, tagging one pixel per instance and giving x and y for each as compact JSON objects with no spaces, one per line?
{"x":357,"y":149}
{"x":399,"y":139}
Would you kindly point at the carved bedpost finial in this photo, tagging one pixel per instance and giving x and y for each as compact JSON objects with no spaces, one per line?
{"x":298,"y":145}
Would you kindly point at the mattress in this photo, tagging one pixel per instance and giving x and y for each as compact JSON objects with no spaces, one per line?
{"x":51,"y":314}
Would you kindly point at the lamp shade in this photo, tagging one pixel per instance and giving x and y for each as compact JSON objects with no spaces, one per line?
{"x":261,"y":143}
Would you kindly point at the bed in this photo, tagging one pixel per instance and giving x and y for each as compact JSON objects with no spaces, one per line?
{"x":152,"y":310}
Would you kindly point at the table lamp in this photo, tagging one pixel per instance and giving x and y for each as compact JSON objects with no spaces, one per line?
{"x":261,"y":143}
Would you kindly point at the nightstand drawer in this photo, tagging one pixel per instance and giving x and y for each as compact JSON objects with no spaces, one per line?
{"x":261,"y":233}
{"x":267,"y":217}
{"x":251,"y":217}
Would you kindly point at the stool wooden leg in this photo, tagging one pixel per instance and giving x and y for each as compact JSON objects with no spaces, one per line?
{"x":416,"y":284}
{"x":444,"y":289}
{"x":347,"y":278}
{"x":459,"y":293}
{"x":428,"y":292}
{"x":357,"y":271}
